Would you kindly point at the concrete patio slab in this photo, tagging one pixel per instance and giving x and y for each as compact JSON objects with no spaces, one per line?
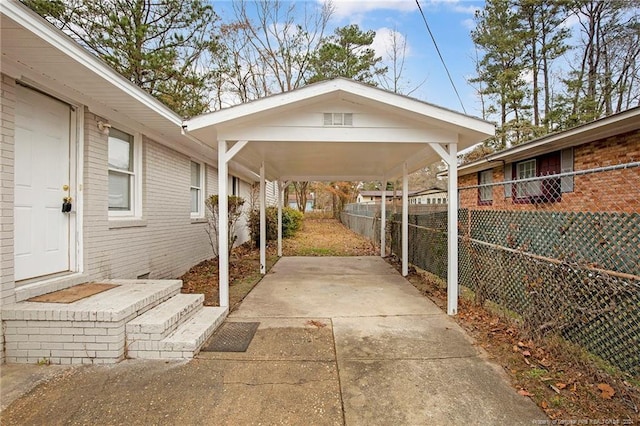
{"x":201,"y":392}
{"x":334,"y":291}
{"x":285,"y":339}
{"x":454,"y":391}
{"x":347,"y":348}
{"x":401,"y":337}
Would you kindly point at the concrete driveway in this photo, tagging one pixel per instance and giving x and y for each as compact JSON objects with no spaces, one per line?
{"x":340,"y":341}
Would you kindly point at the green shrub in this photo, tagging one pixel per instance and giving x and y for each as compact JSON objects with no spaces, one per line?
{"x":291,"y":223}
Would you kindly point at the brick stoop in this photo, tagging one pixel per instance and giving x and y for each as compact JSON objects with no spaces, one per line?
{"x":138,"y":319}
{"x":176,"y":328}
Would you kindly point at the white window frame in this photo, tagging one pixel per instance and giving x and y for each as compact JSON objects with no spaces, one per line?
{"x":201,"y":189}
{"x":531,"y":188}
{"x":485,"y":192}
{"x":338,"y":119}
{"x":135,"y":189}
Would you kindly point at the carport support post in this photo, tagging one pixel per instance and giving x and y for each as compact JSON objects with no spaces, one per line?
{"x":405,"y":221}
{"x":452,"y":237}
{"x":383,"y":219}
{"x":263,"y":223}
{"x":280,"y":197}
{"x":223,"y":224}
{"x":450,"y":156}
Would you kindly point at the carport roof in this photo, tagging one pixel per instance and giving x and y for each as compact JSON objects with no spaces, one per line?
{"x":289,"y":134}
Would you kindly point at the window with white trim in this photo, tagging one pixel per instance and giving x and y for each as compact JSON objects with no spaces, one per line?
{"x":197,"y":189}
{"x":485,"y":193}
{"x":527,"y":170}
{"x":124,"y":169}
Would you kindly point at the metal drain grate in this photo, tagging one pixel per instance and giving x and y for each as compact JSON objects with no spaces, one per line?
{"x":232,"y":337}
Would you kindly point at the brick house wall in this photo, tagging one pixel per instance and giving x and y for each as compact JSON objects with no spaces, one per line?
{"x":8,"y":99}
{"x":164,"y":243}
{"x":615,"y":189}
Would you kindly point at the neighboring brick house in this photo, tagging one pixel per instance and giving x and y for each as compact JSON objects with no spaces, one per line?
{"x":610,"y":141}
{"x":549,"y":229}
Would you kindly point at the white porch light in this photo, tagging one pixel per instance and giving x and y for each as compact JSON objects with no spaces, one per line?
{"x":286,"y":137}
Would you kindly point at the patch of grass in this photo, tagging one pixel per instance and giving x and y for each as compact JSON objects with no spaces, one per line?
{"x":536,"y":373}
{"x":327,"y":237}
{"x":316,"y":251}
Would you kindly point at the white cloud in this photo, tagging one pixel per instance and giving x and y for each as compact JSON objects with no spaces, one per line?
{"x":355,"y":11}
{"x":354,"y":8}
{"x":384,"y":40}
{"x":470,"y":10}
{"x":469,"y":24}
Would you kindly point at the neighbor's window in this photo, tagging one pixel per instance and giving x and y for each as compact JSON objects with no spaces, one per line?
{"x":485,"y":193}
{"x":123,"y":170}
{"x":526,"y":170}
{"x":197,"y":189}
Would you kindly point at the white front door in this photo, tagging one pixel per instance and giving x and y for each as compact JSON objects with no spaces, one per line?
{"x":42,"y":134}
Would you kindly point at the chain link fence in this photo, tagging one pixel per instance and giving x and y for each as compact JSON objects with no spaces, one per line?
{"x":560,"y":253}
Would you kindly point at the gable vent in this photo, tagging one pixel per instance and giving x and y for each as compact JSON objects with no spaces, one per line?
{"x":338,"y":119}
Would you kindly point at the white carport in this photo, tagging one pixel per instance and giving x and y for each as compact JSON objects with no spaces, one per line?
{"x":337,"y":130}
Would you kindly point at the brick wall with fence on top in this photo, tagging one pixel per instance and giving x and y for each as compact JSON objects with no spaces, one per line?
{"x":567,"y":269}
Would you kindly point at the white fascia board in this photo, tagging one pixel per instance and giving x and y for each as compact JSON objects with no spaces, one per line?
{"x":448,"y":117}
{"x":60,"y":41}
{"x":254,"y":107}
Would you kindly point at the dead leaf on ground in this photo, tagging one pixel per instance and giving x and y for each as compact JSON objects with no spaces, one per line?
{"x":544,"y":362}
{"x":524,"y":393}
{"x":544,"y":405}
{"x":561,"y":385}
{"x":607,"y":391}
{"x":526,"y":353}
{"x":315,"y":323}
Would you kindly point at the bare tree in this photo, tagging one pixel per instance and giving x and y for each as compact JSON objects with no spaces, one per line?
{"x":302,"y":192}
{"x":212,"y":229}
{"x":394,"y":58}
{"x":268,"y":48}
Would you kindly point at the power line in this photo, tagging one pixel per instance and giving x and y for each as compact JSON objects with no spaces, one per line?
{"x":440,"y":55}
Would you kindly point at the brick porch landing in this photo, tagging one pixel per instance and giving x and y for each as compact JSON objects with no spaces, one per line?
{"x":137,"y":319}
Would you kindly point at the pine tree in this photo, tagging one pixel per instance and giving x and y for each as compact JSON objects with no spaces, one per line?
{"x":501,"y":38}
{"x":546,"y":42}
{"x":156,"y":45}
{"x":348,"y":54}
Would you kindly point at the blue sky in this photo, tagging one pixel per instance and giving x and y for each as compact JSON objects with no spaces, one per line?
{"x":450,"y":21}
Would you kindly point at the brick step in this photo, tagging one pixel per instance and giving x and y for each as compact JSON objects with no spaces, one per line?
{"x":187,"y":340}
{"x":159,"y":322}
